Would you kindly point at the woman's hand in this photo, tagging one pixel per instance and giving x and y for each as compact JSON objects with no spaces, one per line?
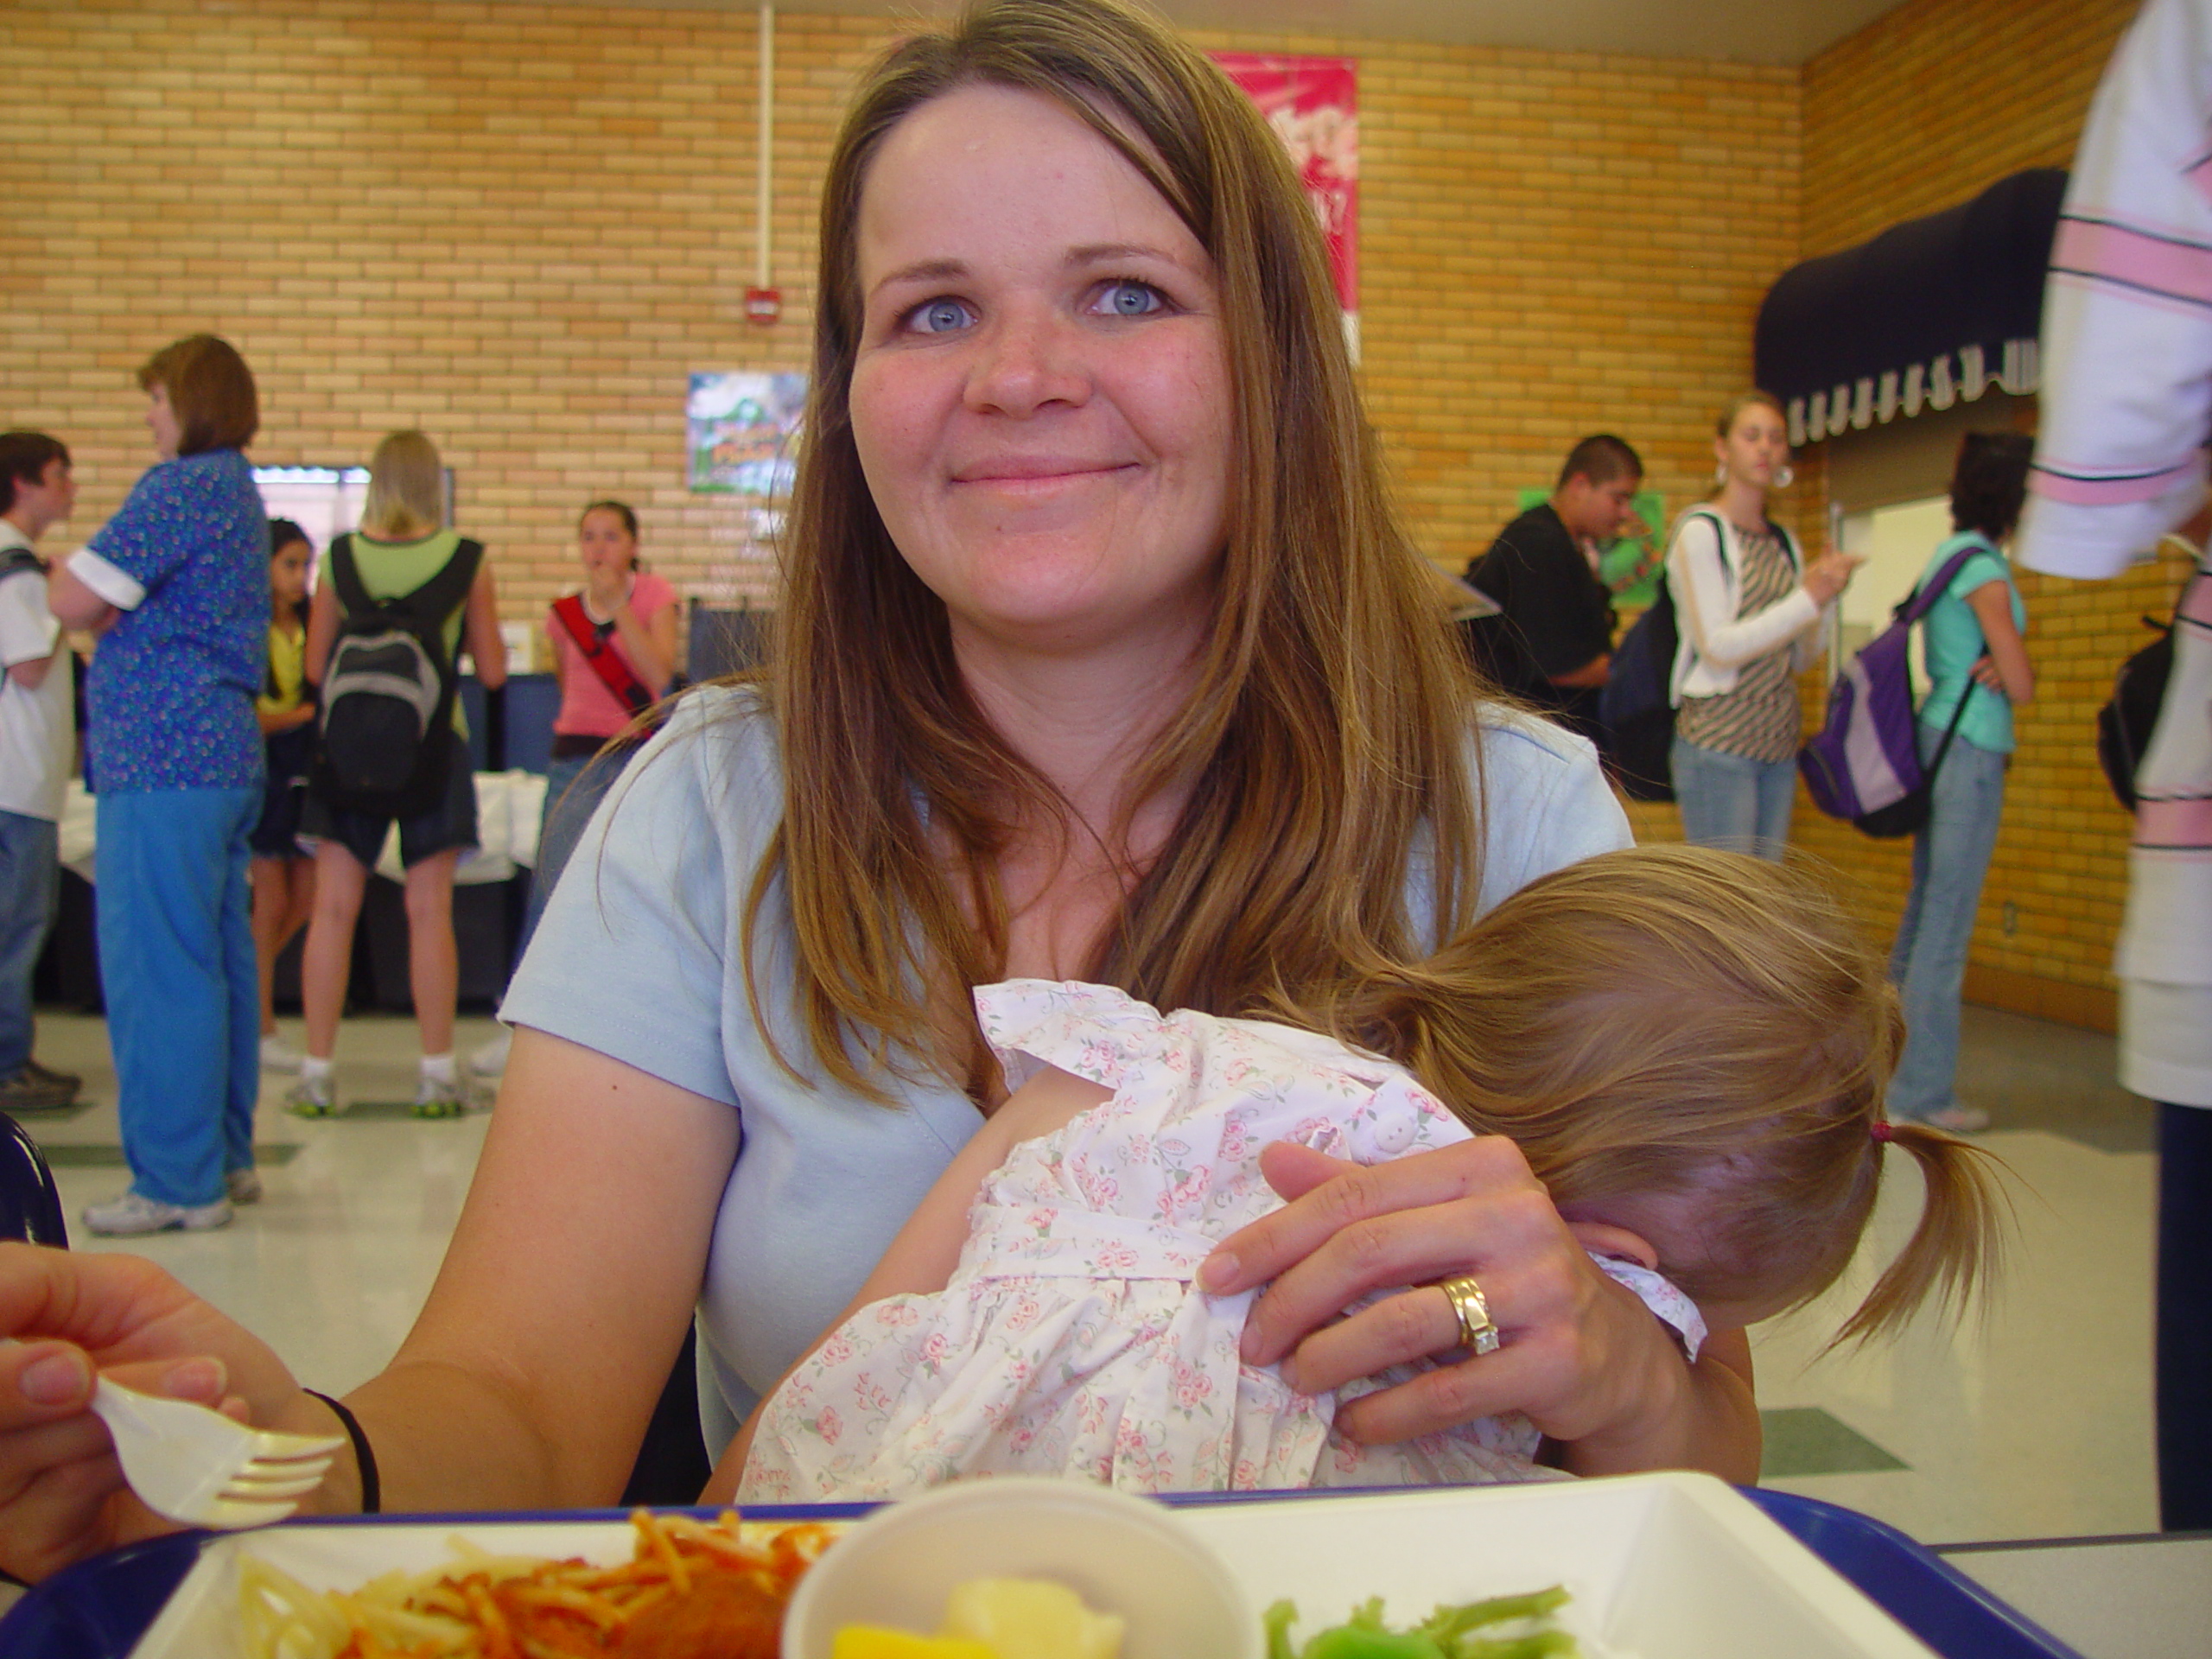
{"x":1828,"y":576}
{"x":1582,"y":1357}
{"x":62,"y":1493}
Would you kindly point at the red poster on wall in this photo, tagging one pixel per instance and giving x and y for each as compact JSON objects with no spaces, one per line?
{"x":1313,"y":106}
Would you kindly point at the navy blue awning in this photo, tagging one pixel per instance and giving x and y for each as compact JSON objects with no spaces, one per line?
{"x":1928,"y":312}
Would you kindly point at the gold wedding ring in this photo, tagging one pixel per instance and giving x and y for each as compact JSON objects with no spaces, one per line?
{"x":1478,"y":1332}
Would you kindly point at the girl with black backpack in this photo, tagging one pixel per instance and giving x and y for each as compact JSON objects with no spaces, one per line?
{"x":399,"y":601}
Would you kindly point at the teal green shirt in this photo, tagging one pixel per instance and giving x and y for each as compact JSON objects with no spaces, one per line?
{"x":1952,"y":640}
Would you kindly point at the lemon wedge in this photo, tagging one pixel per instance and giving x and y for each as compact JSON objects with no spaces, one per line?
{"x":1029,"y":1618}
{"x":872,"y":1642}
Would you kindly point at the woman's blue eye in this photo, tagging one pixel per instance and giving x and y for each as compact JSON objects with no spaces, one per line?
{"x":1134,"y":299}
{"x":942,"y":316}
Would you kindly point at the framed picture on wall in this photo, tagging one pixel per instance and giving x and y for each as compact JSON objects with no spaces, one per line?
{"x":739,"y":432}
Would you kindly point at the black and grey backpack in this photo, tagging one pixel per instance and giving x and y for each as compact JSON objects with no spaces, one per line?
{"x":386,"y":724}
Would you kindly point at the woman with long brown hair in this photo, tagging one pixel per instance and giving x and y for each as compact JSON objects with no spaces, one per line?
{"x":1103,"y":654}
{"x":1748,"y":603}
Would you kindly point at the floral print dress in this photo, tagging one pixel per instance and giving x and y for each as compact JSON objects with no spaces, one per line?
{"x":1071,"y":1338}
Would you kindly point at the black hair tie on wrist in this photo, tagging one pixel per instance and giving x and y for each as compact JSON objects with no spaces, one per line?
{"x":364,"y":1458}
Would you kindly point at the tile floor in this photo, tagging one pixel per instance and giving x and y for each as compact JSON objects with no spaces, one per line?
{"x":2032,"y":1420}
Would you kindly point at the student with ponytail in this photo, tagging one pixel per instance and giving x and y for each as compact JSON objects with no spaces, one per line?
{"x":1688,"y":1046}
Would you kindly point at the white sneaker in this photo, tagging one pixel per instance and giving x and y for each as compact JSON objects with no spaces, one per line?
{"x":491,"y":1060}
{"x":436,"y":1097}
{"x":244,"y":1185}
{"x":134,"y":1213}
{"x":278,"y":1056}
{"x":316,"y":1097}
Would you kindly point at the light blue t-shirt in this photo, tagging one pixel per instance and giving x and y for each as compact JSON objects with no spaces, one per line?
{"x":1952,"y":640}
{"x":638,"y":962}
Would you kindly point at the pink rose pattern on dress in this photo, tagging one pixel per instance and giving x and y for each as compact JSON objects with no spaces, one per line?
{"x":1071,"y":1338}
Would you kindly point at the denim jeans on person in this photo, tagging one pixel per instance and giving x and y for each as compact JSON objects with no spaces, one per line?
{"x":178,"y":974}
{"x":30,"y":887}
{"x":1728,"y":800}
{"x":1950,"y":856}
{"x":574,"y":785}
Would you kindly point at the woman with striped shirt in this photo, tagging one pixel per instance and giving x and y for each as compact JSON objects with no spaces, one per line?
{"x":1748,"y":606}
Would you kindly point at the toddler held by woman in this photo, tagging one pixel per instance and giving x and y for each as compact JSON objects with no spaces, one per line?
{"x":1689,"y":1046}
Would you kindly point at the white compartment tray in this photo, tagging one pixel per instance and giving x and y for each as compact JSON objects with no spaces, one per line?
{"x":1661,"y":1566}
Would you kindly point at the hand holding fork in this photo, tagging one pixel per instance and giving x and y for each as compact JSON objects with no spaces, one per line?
{"x":199,"y":1467}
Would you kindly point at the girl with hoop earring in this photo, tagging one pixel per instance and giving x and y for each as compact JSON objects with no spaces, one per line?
{"x":1750,"y":608}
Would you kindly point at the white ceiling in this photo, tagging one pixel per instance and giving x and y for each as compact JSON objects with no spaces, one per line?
{"x":1746,"y":31}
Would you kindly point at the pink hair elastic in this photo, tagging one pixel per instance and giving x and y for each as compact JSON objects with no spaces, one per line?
{"x":1882,"y":1132}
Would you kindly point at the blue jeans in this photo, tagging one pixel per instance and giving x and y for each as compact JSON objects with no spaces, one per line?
{"x":30,"y":888}
{"x":1731,"y":802}
{"x":183,"y":996}
{"x":574,"y":785}
{"x":1950,"y":856}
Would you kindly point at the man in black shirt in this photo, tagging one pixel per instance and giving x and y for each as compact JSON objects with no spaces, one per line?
{"x":1553,"y":642}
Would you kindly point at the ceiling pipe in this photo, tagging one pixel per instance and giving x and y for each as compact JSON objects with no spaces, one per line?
{"x":762,"y":193}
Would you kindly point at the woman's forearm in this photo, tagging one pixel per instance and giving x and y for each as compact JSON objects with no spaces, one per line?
{"x":1701,"y":1416}
{"x":448,"y":1437}
{"x":655,"y":663}
{"x":1701,"y":603}
{"x":1991,"y":604}
{"x":531,"y":1372}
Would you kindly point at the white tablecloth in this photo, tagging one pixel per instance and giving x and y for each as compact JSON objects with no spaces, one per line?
{"x":508,"y":805}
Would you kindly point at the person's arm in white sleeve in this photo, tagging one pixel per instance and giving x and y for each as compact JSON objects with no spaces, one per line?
{"x":1700,"y":585}
{"x":30,"y":638}
{"x":2126,"y":345}
{"x":89,"y":593}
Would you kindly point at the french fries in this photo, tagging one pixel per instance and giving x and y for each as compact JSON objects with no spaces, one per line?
{"x":487,"y":1606}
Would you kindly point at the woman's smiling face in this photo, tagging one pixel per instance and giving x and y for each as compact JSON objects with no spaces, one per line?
{"x":1040,"y":399}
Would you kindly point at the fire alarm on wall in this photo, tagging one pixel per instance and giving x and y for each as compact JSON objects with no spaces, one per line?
{"x":763,"y":304}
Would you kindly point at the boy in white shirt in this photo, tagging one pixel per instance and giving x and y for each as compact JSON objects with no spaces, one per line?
{"x":38,"y":730}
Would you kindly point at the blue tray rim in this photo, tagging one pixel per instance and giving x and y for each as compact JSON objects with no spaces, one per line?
{"x":97,"y":1609}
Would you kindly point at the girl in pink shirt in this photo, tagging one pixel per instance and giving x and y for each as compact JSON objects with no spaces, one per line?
{"x":614,"y":652}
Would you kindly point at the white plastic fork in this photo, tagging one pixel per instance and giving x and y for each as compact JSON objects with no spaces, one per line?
{"x":199,"y":1467}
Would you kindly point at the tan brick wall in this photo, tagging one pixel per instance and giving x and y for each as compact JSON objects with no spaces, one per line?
{"x":523,"y":227}
{"x":1932,"y":101}
{"x":1555,"y":245}
{"x":1894,"y":129}
{"x":520,"y":228}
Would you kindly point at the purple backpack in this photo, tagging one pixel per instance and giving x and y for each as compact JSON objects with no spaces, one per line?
{"x":1864,"y":764}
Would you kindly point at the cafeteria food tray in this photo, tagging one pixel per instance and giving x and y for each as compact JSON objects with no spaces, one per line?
{"x":1662,"y":1565}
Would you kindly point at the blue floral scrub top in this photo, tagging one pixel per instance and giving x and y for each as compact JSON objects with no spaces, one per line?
{"x":170,"y":696}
